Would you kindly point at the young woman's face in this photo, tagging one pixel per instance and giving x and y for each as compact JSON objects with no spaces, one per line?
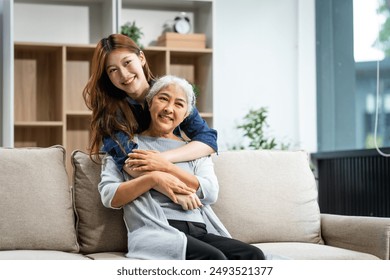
{"x":168,"y":109}
{"x":125,"y":71}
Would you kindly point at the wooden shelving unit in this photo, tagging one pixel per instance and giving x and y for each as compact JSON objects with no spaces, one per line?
{"x":191,"y":64}
{"x":49,"y":108}
{"x":49,"y":77}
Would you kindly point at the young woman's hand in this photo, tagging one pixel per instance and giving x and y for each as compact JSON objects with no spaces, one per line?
{"x":147,"y":160}
{"x":143,"y":161}
{"x":188,"y":201}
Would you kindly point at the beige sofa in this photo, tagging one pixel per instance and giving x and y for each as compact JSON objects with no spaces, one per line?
{"x":267,"y":198}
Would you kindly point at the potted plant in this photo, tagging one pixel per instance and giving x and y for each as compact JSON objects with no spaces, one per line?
{"x":133,"y":31}
{"x":254,"y":127}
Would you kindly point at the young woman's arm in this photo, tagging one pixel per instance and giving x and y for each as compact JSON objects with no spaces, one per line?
{"x":129,"y":191}
{"x":191,"y":151}
{"x":204,"y":180}
{"x":186,"y":201}
{"x":147,"y":161}
{"x":163,"y":182}
{"x":196,"y":129}
{"x":119,"y":148}
{"x":116,"y":192}
{"x":203,"y":140}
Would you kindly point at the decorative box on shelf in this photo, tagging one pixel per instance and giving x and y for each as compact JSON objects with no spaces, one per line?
{"x":176,"y":40}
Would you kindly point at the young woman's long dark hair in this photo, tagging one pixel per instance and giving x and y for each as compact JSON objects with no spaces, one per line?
{"x":110,"y":110}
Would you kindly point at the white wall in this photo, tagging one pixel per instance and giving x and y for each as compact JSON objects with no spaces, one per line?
{"x":307,"y":82}
{"x":71,"y":24}
{"x":264,"y":55}
{"x":82,"y":23}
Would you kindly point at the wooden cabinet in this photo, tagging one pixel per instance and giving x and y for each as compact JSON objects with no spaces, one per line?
{"x":38,"y":95}
{"x":49,"y":75}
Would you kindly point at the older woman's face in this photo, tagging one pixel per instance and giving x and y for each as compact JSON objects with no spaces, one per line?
{"x":168,"y":109}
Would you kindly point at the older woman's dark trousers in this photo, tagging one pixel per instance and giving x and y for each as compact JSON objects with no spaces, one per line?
{"x":206,"y":246}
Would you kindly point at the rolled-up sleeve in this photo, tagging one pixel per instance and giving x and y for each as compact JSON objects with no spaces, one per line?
{"x":208,"y":182}
{"x":114,"y":149}
{"x":111,"y":178}
{"x":197,"y":129}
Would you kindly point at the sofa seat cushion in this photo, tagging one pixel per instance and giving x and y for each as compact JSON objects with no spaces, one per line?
{"x":310,"y":251}
{"x":108,"y":256}
{"x":99,"y":229}
{"x":267,"y":196}
{"x":36,"y":202}
{"x":40,"y":255}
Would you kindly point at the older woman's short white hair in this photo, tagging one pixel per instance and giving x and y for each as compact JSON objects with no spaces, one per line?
{"x":167,"y":80}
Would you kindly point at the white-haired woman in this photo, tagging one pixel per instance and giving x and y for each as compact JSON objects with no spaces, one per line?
{"x":167,"y":209}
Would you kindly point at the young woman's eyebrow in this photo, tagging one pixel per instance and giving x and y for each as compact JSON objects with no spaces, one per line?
{"x":124,"y":58}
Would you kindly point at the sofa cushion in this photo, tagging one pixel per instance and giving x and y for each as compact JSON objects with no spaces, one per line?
{"x":309,"y":251}
{"x":36,"y":202}
{"x":40,"y":255}
{"x":267,"y":196}
{"x":99,"y":229}
{"x":108,"y":256}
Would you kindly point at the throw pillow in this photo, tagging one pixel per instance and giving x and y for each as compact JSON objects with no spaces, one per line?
{"x":99,"y":229}
{"x":36,"y":202}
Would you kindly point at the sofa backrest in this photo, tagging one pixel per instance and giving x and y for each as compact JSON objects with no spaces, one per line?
{"x":267,"y":196}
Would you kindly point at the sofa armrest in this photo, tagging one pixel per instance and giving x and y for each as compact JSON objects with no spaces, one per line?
{"x":364,"y":234}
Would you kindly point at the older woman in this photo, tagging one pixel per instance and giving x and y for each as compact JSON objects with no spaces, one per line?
{"x":167,"y":210}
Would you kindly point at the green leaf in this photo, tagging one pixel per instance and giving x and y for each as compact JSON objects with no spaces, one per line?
{"x":253,"y":127}
{"x":131,"y":30}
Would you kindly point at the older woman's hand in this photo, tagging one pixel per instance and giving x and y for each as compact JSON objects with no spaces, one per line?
{"x":189,"y":201}
{"x":169,"y":185}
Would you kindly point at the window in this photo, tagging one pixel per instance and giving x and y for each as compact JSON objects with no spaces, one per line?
{"x":348,"y":50}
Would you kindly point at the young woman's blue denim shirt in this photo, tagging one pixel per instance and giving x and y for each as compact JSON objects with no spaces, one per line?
{"x":193,"y":126}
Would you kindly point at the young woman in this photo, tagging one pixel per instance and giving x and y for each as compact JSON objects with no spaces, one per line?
{"x":159,"y":228}
{"x":116,"y":93}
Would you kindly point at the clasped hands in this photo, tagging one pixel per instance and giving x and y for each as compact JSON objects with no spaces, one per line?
{"x":140,"y":162}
